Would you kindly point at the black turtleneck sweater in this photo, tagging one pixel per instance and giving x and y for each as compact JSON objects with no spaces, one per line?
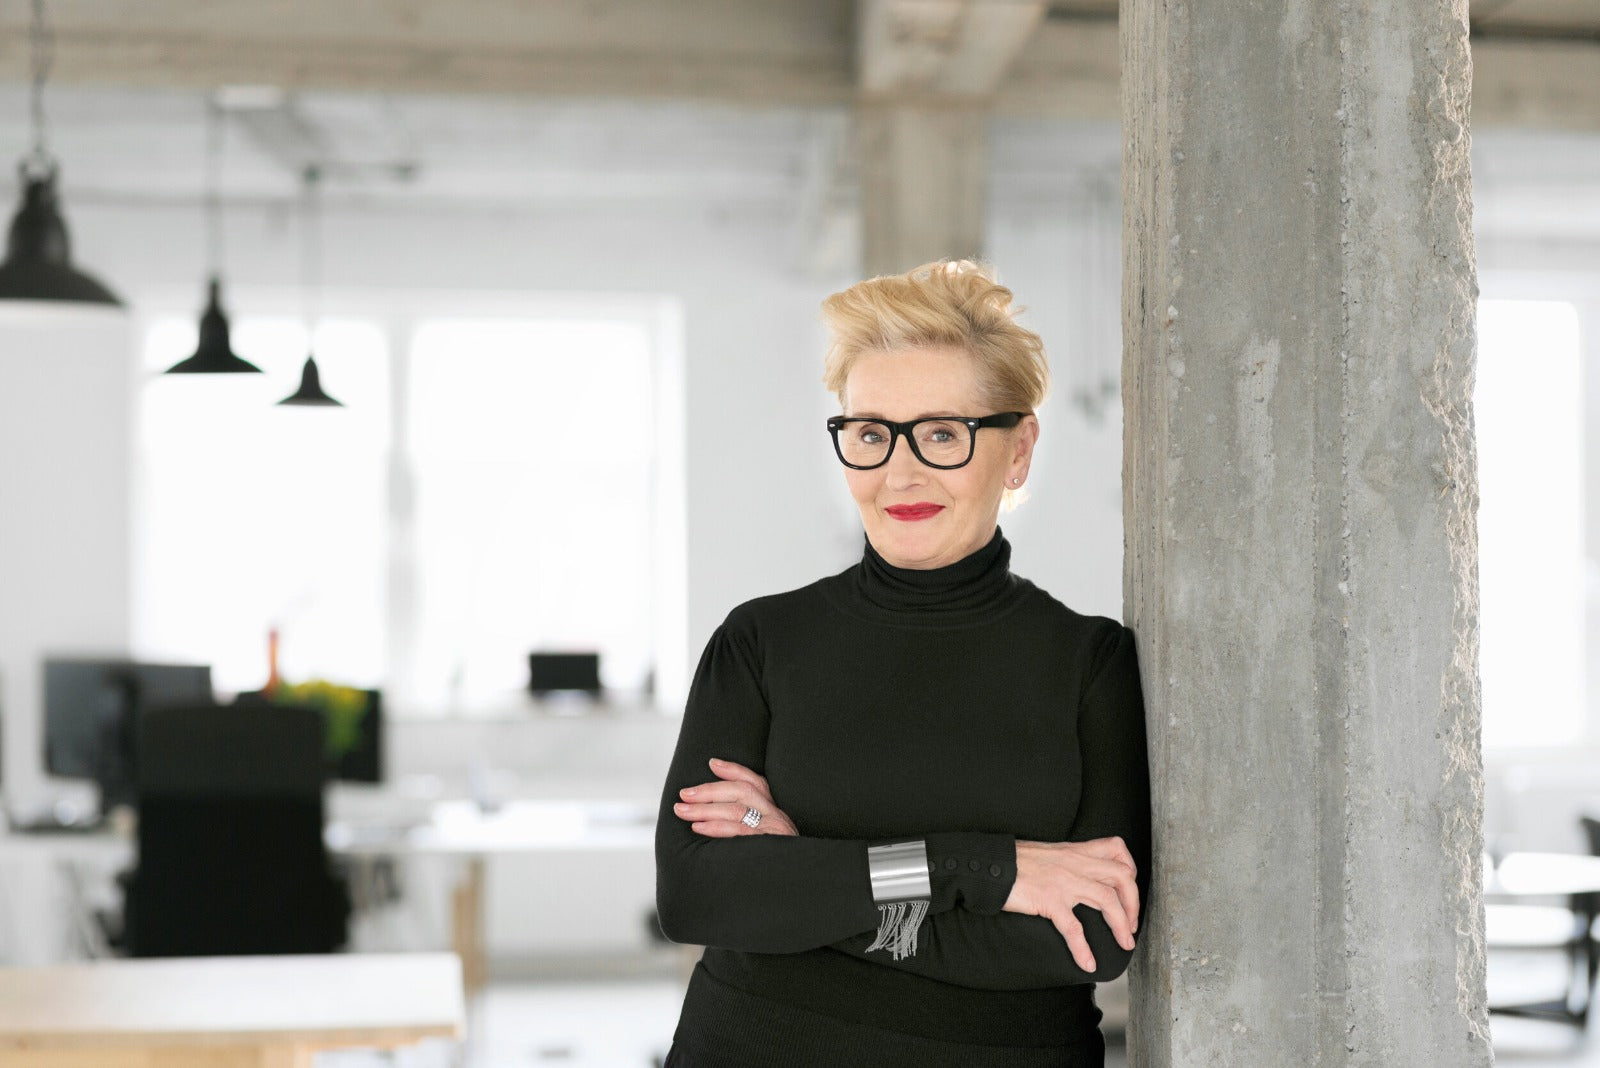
{"x":960,"y":704}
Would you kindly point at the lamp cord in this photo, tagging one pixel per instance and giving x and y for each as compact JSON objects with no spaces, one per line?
{"x":213,"y":186}
{"x":311,"y":252}
{"x":38,"y":163}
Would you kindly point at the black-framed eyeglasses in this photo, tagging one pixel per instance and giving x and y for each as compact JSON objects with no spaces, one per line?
{"x":942,"y":441}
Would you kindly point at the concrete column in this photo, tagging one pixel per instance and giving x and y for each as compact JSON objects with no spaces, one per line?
{"x":925,"y":75}
{"x":1300,"y":497}
{"x":922,"y":182}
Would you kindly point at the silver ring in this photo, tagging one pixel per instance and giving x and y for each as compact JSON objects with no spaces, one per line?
{"x":752,"y":818}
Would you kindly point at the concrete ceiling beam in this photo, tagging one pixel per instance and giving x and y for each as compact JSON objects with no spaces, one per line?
{"x":940,"y":47}
{"x":780,"y":53}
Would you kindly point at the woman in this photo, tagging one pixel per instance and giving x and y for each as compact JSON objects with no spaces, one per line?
{"x":908,"y":812}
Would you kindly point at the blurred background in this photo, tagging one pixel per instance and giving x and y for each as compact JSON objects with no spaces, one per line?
{"x":548,"y":275}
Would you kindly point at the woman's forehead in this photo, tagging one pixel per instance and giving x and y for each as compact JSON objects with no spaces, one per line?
{"x":910,"y":383}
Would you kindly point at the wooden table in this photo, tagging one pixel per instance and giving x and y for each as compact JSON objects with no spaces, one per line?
{"x":224,"y":1012}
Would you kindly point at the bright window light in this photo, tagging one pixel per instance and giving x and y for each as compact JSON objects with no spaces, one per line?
{"x":509,"y":508}
{"x":1528,"y":411}
{"x":252,"y":516}
{"x":533,"y":443}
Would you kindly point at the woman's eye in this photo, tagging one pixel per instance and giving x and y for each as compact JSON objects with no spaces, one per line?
{"x":941,"y":437}
{"x":871,"y":436}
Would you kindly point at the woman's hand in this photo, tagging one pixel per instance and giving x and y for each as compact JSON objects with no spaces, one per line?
{"x":1052,"y":877}
{"x":716,"y":809}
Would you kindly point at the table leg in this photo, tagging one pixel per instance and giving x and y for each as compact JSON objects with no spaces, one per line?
{"x":467,"y":935}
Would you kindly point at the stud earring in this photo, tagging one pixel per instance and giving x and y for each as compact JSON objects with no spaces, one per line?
{"x":1016,"y":482}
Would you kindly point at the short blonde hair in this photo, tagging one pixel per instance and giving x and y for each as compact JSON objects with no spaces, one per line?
{"x":947,"y":303}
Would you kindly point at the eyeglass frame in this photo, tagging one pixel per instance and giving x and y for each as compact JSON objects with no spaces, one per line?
{"x":1004,"y":420}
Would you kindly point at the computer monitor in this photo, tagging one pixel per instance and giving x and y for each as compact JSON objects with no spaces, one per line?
{"x":550,"y":672}
{"x":90,"y":714}
{"x":353,"y":748}
{"x":363,"y":760}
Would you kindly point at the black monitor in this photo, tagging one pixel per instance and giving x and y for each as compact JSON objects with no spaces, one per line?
{"x":90,"y":713}
{"x":362,"y":761}
{"x":353,"y":746}
{"x":550,"y":672}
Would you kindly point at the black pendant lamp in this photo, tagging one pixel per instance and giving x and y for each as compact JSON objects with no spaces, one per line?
{"x":38,"y":263}
{"x":310,"y":393}
{"x":214,"y":354}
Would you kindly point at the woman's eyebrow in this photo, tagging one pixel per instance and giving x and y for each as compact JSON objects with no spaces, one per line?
{"x":945,"y":414}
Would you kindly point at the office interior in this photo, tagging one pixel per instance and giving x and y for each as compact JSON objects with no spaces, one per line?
{"x":571,"y":318}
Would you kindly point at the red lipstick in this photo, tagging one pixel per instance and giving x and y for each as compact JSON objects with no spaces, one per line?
{"x":913,"y":512}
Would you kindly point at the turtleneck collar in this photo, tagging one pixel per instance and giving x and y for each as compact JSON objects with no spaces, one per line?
{"x":974,"y":587}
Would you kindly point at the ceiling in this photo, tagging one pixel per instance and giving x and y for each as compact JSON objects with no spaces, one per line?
{"x":657,"y":105}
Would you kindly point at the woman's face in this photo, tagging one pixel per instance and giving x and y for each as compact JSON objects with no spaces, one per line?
{"x":962,"y":505}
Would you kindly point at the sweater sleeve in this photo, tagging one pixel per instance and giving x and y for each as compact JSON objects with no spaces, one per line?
{"x":1014,"y":951}
{"x":768,"y":893}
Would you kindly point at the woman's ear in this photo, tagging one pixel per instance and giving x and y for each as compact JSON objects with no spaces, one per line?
{"x":1026,"y":437}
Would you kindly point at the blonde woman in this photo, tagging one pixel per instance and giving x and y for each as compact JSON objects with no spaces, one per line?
{"x":908,"y":812}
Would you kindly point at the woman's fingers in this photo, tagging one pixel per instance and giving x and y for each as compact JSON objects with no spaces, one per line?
{"x":1113,"y":865}
{"x":1072,"y":931}
{"x":775,"y":823}
{"x":727,"y":769}
{"x":727,"y":791}
{"x":1108,"y":900}
{"x":738,"y":784}
{"x":1128,"y":892}
{"x":1113,"y":849}
{"x":1054,"y":878}
{"x":694,"y":812}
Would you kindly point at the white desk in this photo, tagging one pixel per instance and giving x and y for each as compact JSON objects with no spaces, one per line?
{"x":458,"y":829}
{"x":461,"y":829}
{"x":1523,"y":876}
{"x":1543,"y":875}
{"x":224,"y":1012}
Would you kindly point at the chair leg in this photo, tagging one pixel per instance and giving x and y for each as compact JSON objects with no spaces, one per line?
{"x":1591,"y":964}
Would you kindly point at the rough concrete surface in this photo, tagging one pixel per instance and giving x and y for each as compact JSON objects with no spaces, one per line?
{"x":922,"y":182}
{"x":1301,"y":560}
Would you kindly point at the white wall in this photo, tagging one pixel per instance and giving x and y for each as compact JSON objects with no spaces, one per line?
{"x":64,"y":537}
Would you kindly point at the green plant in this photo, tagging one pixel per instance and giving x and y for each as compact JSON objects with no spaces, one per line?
{"x":342,"y":708}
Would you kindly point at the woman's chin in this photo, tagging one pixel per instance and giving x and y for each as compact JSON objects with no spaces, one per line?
{"x":908,"y":544}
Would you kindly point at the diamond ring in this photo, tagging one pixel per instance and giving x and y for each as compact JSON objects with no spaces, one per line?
{"x":752,"y":818}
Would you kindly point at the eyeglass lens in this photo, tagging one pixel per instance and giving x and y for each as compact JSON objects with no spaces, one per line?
{"x":942,"y":442}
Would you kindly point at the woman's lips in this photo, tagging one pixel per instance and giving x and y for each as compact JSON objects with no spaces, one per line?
{"x":912,"y":512}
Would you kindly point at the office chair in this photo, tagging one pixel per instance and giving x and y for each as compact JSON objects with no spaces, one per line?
{"x":231,"y":854}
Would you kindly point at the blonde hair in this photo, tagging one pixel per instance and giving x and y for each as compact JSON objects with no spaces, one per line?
{"x":945,"y":304}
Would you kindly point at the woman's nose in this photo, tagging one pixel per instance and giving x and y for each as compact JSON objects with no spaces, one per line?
{"x":903,"y":467}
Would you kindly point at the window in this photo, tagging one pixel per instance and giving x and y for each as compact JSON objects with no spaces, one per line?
{"x":532,"y":443}
{"x":1531,"y":572}
{"x":250,"y":515}
{"x":496,"y":485}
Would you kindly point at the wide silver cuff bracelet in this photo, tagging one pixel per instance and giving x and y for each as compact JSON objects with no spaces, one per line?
{"x":899,"y":871}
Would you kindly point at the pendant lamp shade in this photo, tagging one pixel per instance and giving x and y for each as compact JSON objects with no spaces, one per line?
{"x":310,"y":393}
{"x":38,"y":263}
{"x":214,"y":354}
